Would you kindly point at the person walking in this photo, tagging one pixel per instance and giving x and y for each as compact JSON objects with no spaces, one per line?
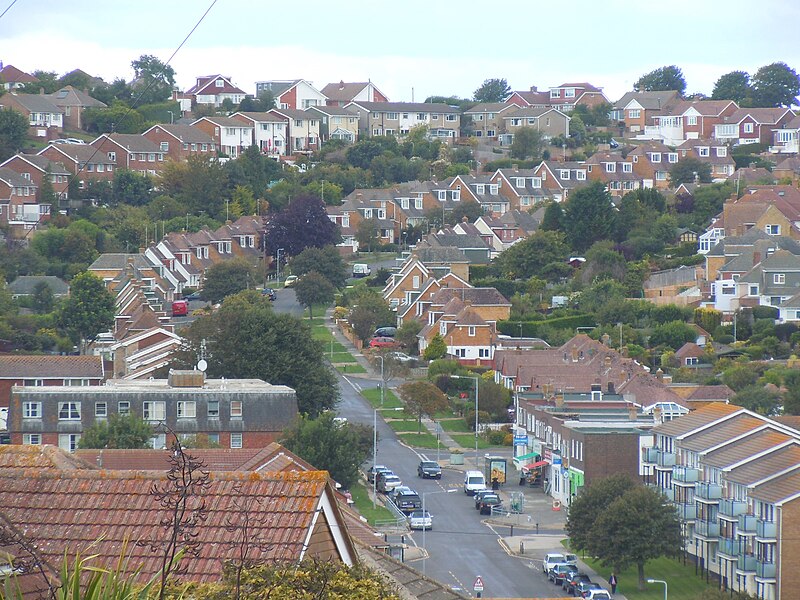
{"x":612,"y":581}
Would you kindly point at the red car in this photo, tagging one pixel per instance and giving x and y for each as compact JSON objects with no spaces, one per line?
{"x":382,"y":342}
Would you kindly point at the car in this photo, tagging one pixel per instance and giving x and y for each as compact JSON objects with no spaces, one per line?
{"x":385,"y":332}
{"x":403,"y":358}
{"x":598,"y":594}
{"x":571,"y":559}
{"x":376,"y":469}
{"x":382,"y":342}
{"x":269,"y":293}
{"x":480,"y":494}
{"x":400,"y":489}
{"x":361,"y":270}
{"x":429,"y":469}
{"x":473,"y":481}
{"x":570,"y":583}
{"x":488,"y":502}
{"x":420,"y":520}
{"x":407,"y":502}
{"x":388,"y":482}
{"x":550,"y":559}
{"x":197,"y":295}
{"x":584,"y":587}
{"x":290,"y":281}
{"x":612,"y":143}
{"x":560,"y":572}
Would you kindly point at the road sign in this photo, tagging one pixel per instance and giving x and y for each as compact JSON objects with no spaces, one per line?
{"x":478,"y":585}
{"x":521,"y":440}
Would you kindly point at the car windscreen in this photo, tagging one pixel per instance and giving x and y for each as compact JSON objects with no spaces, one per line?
{"x":475,"y":480}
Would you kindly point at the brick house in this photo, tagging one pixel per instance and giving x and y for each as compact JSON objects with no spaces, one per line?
{"x":179,"y":142}
{"x":45,"y":119}
{"x":12,"y":78}
{"x":637,"y":110}
{"x":341,"y":94}
{"x":297,"y":94}
{"x":567,"y":96}
{"x":711,"y":152}
{"x":652,"y":162}
{"x":82,"y":161}
{"x":73,"y":102}
{"x":560,"y":178}
{"x":614,"y":171}
{"x":470,"y":338}
{"x":213,"y":90}
{"x":131,"y":151}
{"x":35,"y":168}
{"x":19,"y":206}
{"x":752,"y":125}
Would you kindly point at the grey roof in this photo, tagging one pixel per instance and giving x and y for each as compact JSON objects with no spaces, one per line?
{"x":343,"y":91}
{"x":133,"y":142}
{"x":487,"y":296}
{"x":69,"y":96}
{"x":485,"y":107}
{"x":339,"y":111}
{"x":13,"y":178}
{"x":278,"y":87}
{"x":36,"y":103}
{"x":406,"y":107}
{"x":648,"y":100}
{"x":24,"y":285}
{"x":293,"y":113}
{"x":460,"y":241}
{"x":82,"y":153}
{"x":529,"y":111}
{"x":113,"y":260}
{"x":224,"y":122}
{"x":185,"y":133}
{"x":261,"y":116}
{"x":439,"y":254}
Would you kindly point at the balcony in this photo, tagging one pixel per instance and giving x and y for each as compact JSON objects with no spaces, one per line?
{"x":665,"y":459}
{"x":669,"y":494}
{"x":765,"y":570}
{"x":685,"y":475}
{"x":765,"y":530}
{"x":708,"y":491}
{"x":746,"y":563}
{"x":706,"y":529}
{"x":650,"y":455}
{"x":687,"y":512}
{"x":728,"y":547}
{"x":747,"y":524}
{"x":731,"y":508}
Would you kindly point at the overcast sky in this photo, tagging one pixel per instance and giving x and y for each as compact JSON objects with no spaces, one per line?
{"x":409,"y":48}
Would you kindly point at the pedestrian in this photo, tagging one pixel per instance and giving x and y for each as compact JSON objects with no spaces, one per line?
{"x":612,"y":581}
{"x":495,"y":484}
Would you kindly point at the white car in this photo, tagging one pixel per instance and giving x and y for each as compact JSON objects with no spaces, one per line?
{"x":551,"y":559}
{"x":290,"y":281}
{"x":388,"y":482}
{"x":598,"y":595}
{"x":402,"y":358}
{"x":420,"y":520}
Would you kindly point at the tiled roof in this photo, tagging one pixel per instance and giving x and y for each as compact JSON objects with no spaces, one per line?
{"x":11,"y":74}
{"x":13,"y":178}
{"x":407,"y":107}
{"x":14,"y":457}
{"x":26,"y":284}
{"x":487,"y":296}
{"x":776,"y":490}
{"x":185,"y":133}
{"x":743,"y":448}
{"x":69,"y":96}
{"x":493,"y":107}
{"x":343,"y":91}
{"x":439,"y":254}
{"x":44,"y":163}
{"x":699,"y":418}
{"x":261,"y":117}
{"x":36,"y":103}
{"x":41,"y":366}
{"x":81,"y":153}
{"x":649,"y":100}
{"x":223,"y":122}
{"x":764,"y":466}
{"x":760,"y":115}
{"x":132,"y":142}
{"x":340,"y":111}
{"x":712,"y":392}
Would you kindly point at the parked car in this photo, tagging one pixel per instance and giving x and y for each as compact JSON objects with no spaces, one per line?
{"x":361,"y":270}
{"x":420,"y":520}
{"x":570,"y":583}
{"x":598,"y":594}
{"x":403,"y":358}
{"x":473,"y":481}
{"x":429,"y":469}
{"x":180,"y":308}
{"x":290,"y":281}
{"x":488,"y":502}
{"x":550,"y":559}
{"x":269,"y":293}
{"x":407,"y":502}
{"x":387,"y":482}
{"x":382,"y":342}
{"x":584,"y":587}
{"x":375,"y":469}
{"x":560,"y":572}
{"x":197,"y":295}
{"x":400,"y":489}
{"x":385,"y":332}
{"x":480,"y":494}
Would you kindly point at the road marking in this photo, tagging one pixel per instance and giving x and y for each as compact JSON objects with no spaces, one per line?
{"x":460,"y":585}
{"x":353,"y":385}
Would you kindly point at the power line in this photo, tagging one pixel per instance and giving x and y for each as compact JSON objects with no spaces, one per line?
{"x":8,"y":8}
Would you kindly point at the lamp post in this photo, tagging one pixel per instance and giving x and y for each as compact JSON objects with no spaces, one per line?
{"x":475,"y":379}
{"x":383,"y":382}
{"x":278,"y":272}
{"x":660,"y":581}
{"x":424,"y":529}
{"x":375,"y":450}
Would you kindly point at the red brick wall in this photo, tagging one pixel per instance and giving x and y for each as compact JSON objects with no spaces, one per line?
{"x":18,"y":165}
{"x":378,"y":97}
{"x":609,"y":454}
{"x":788,"y":549}
{"x":289,"y":97}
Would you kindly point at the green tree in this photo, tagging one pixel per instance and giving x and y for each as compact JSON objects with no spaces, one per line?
{"x":589,"y":216}
{"x":132,"y":188}
{"x":407,"y":334}
{"x":48,"y":81}
{"x":553,"y":219}
{"x":201,"y":184}
{"x":43,"y":299}
{"x":759,"y":399}
{"x":662,"y":79}
{"x":47,"y":194}
{"x":468,"y":209}
{"x":302,"y":224}
{"x":586,"y":508}
{"x":673,"y":334}
{"x":226,"y":278}
{"x":369,"y":312}
{"x":153,"y":79}
{"x":734,"y":86}
{"x":422,"y":398}
{"x":776,"y":84}
{"x":708,"y":318}
{"x":13,"y":132}
{"x":739,"y":377}
{"x":246,"y":339}
{"x":118,"y":117}
{"x":120,"y":431}
{"x":436,"y":348}
{"x":791,"y":399}
{"x":362,"y":153}
{"x":689,"y":170}
{"x":492,"y":90}
{"x":367,"y":233}
{"x":327,"y":261}
{"x":338,"y":448}
{"x":530,"y":256}
{"x":528,"y":143}
{"x":88,"y":311}
{"x":314,"y":288}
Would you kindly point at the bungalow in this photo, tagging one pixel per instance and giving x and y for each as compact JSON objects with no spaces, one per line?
{"x":46,"y":120}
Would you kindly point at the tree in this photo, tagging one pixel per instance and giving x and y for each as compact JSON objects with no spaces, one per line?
{"x":689,"y":170}
{"x":673,"y":334}
{"x":530,"y":256}
{"x":227,"y":278}
{"x":407,"y":334}
{"x":43,"y":299}
{"x":120,"y":431}
{"x":369,"y":312}
{"x":132,"y":188}
{"x":154,"y":80}
{"x":553,"y":219}
{"x":313,"y":288}
{"x":327,"y":261}
{"x":589,"y":216}
{"x":791,"y":399}
{"x":492,"y":90}
{"x":422,"y":398}
{"x":118,"y":117}
{"x":302,"y":224}
{"x":468,"y":209}
{"x":776,"y":84}
{"x":593,"y":502}
{"x":759,"y":399}
{"x":734,"y":86}
{"x":367,"y":233}
{"x":528,"y":143}
{"x":201,"y":184}
{"x":661,"y":80}
{"x":88,"y":311}
{"x":13,"y":132}
{"x":436,"y":348}
{"x":246,"y":339}
{"x":338,"y":448}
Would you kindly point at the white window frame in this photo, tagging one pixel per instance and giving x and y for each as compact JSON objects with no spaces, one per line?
{"x":69,"y":441}
{"x":31,"y":410}
{"x":32,"y":439}
{"x":748,"y":128}
{"x":101,"y":410}
{"x":154,"y":410}
{"x":237,"y":409}
{"x":72,"y":410}
{"x":779,"y":278}
{"x":212,"y":409}
{"x":124,"y":407}
{"x":471,"y":331}
{"x":187,"y":409}
{"x":236,"y":440}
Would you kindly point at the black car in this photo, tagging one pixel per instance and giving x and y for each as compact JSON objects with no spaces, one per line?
{"x":570,"y":584}
{"x":198,"y":295}
{"x":488,"y":502}
{"x":269,"y":293}
{"x":478,"y":496}
{"x":408,"y":502}
{"x":429,"y":469}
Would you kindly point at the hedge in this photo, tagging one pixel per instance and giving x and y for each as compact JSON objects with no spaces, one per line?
{"x":533,"y":328}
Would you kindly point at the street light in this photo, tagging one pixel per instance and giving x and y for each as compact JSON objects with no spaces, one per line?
{"x":660,"y":581}
{"x":278,"y":272}
{"x":476,"y":410}
{"x":375,"y":450}
{"x":424,"y":529}
{"x":383,"y":383}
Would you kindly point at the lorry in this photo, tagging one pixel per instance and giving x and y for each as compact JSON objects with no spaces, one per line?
{"x":361,"y":270}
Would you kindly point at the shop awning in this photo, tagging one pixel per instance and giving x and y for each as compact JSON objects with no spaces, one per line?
{"x":527,"y":456}
{"x":537,"y":464}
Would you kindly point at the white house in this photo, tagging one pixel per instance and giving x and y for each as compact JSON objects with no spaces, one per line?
{"x":270,"y":131}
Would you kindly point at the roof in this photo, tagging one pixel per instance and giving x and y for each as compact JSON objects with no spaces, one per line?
{"x":48,"y":366}
{"x":343,"y":92}
{"x":69,"y":96}
{"x":779,"y":489}
{"x":340,"y":111}
{"x":222,"y":121}
{"x":260,"y":117}
{"x":14,"y":179}
{"x":11,"y":74}
{"x":42,"y":163}
{"x":26,"y":284}
{"x":720,"y":433}
{"x":486,"y":296}
{"x":759,"y":115}
{"x":699,"y":418}
{"x":770,"y":463}
{"x":35,"y":103}
{"x":185,"y":133}
{"x":21,"y":458}
{"x":406,"y":107}
{"x":132,"y":142}
{"x":80,"y":153}
{"x":492,"y":107}
{"x":649,"y":100}
{"x":118,"y":260}
{"x":743,"y":448}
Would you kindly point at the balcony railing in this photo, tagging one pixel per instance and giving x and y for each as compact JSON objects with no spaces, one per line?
{"x":669,"y":494}
{"x":765,"y":570}
{"x":685,"y":474}
{"x":765,"y":529}
{"x":650,"y":455}
{"x":706,"y":529}
{"x":747,"y":524}
{"x":665,"y":459}
{"x":708,"y":491}
{"x":731,"y":508}
{"x":687,"y":512}
{"x":728,"y":546}
{"x":746,"y":562}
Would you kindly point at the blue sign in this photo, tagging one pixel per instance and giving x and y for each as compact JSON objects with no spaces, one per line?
{"x":556,"y":459}
{"x":520,"y":440}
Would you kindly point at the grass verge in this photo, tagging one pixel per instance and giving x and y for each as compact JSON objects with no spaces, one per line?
{"x":455,"y":425}
{"x":467,"y":440}
{"x":404,"y":425}
{"x":418,"y":440}
{"x":363,"y":504}
{"x":348,"y":368}
{"x":373,"y":396}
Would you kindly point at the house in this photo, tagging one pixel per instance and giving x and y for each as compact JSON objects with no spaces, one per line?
{"x":179,"y":142}
{"x":36,"y":168}
{"x":753,"y":176}
{"x":131,"y":151}
{"x":560,"y":178}
{"x":304,"y":128}
{"x":236,"y":413}
{"x":419,"y":302}
{"x":397,"y":118}
{"x":270,"y":131}
{"x":521,"y":188}
{"x":636,"y":110}
{"x":230,"y":136}
{"x":19,"y":207}
{"x":531,"y":97}
{"x":469,"y":337}
{"x":341,"y":94}
{"x":711,"y":152}
{"x":473,"y":246}
{"x":567,"y":96}
{"x":771,"y":282}
{"x":507,"y":229}
{"x":83,"y":161}
{"x":25,"y":285}
{"x":652,"y":162}
{"x":785,"y":138}
{"x":688,"y":120}
{"x":336,"y":123}
{"x":752,"y":125}
{"x":45,"y":119}
{"x":680,"y":286}
{"x":213,"y":90}
{"x":487,"y":118}
{"x":481,"y":189}
{"x":789,"y":168}
{"x":74,"y":102}
{"x":297,"y":94}
{"x":690,"y":355}
{"x":550,"y":122}
{"x":615,"y":171}
{"x":12,"y":78}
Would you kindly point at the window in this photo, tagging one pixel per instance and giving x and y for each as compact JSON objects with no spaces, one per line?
{"x":520,"y":182}
{"x":634,"y":113}
{"x":702,"y":151}
{"x":471,"y":331}
{"x":213,"y":438}
{"x":579,"y":175}
{"x":569,"y":93}
{"x":451,"y":117}
{"x":655,"y":157}
{"x":483,"y":353}
{"x":672,"y":157}
{"x":627,"y":167}
{"x":31,"y":410}
{"x":164,"y":146}
{"x":236,"y":440}
{"x":219,"y":83}
{"x":564,"y":173}
{"x":32,"y":439}
{"x":721,"y":151}
{"x":68,"y":441}
{"x":415,"y":282}
{"x":154,"y":411}
{"x":69,"y":411}
{"x":773,"y":229}
{"x":418,"y":203}
{"x":555,"y":93}
{"x":236,"y":409}
{"x":124,"y":408}
{"x":185,"y":146}
{"x":779,"y":278}
{"x":748,"y":128}
{"x":661,"y":175}
{"x":204,"y":147}
{"x":187,"y":409}
{"x":392,"y":116}
{"x":611,"y":167}
{"x":753,"y":290}
{"x":100,"y":409}
{"x":422,"y":116}
{"x":691,"y":120}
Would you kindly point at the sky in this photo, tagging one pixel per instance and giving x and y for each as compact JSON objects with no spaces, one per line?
{"x":410,"y":49}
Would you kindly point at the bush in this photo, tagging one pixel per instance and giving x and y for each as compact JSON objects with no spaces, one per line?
{"x":537,"y":328}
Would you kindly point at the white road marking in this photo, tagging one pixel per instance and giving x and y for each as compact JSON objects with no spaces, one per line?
{"x":353,"y":385}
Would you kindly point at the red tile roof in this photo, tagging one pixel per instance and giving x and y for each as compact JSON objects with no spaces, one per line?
{"x":38,"y":457}
{"x":41,"y":366}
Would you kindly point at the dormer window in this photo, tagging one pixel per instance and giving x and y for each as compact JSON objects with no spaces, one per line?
{"x":555,"y":93}
{"x":493,"y":189}
{"x":702,"y":151}
{"x":520,"y":182}
{"x":569,"y":93}
{"x":580,"y":175}
{"x":655,"y":157}
{"x":672,"y":157}
{"x":418,"y":203}
{"x":456,"y":194}
{"x":480,"y":189}
{"x":564,"y":174}
{"x":404,"y":203}
{"x":536,"y":182}
{"x":219,"y":83}
{"x":442,"y":194}
{"x":722,"y":151}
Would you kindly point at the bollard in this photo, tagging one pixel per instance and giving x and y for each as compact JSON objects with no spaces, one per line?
{"x":512,"y":531}
{"x":521,"y":547}
{"x":537,"y":529}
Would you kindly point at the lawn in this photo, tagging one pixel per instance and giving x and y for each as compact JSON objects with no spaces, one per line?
{"x":404,"y":425}
{"x":467,"y":440}
{"x":341,"y":357}
{"x":455,"y":426}
{"x":373,"y":395}
{"x":419,"y":440}
{"x":363,"y":505}
{"x":347,"y":368}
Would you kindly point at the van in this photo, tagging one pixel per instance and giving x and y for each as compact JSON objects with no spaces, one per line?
{"x":361,"y":270}
{"x":180,"y":308}
{"x":473,"y":481}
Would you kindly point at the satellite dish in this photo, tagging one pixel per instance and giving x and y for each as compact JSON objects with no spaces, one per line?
{"x":202,"y":365}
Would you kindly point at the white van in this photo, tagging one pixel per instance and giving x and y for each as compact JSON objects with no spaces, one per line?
{"x":474,"y":481}
{"x":361,"y":270}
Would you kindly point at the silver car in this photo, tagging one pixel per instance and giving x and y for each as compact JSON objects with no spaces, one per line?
{"x":420,"y":520}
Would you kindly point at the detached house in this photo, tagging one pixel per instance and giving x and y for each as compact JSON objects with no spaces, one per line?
{"x":785,"y":138}
{"x":752,"y":125}
{"x":270,"y":131}
{"x":637,"y":110}
{"x":550,"y":122}
{"x":521,"y":187}
{"x":83,"y":161}
{"x":341,"y":94}
{"x":179,"y":142}
{"x":36,"y":168}
{"x":689,"y":119}
{"x":19,"y":208}
{"x":230,"y":136}
{"x":297,"y":94}
{"x":131,"y":151}
{"x":567,"y":96}
{"x":73,"y":102}
{"x":12,"y":78}
{"x":614,"y":171}
{"x":397,"y":118}
{"x":711,"y":152}
{"x":652,"y":162}
{"x":46,"y":120}
{"x":213,"y":90}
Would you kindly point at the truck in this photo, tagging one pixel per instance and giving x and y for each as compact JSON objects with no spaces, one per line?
{"x":180,"y":308}
{"x":361,"y":270}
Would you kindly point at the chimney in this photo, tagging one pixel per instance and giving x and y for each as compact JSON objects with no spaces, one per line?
{"x":341,"y":84}
{"x":607,"y":360}
{"x":610,"y":387}
{"x":605,"y":338}
{"x":534,"y":88}
{"x":574,"y":353}
{"x":633,"y":412}
{"x":756,"y":258}
{"x":560,"y":400}
{"x":597,"y":392}
{"x":660,"y":374}
{"x":515,"y":167}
